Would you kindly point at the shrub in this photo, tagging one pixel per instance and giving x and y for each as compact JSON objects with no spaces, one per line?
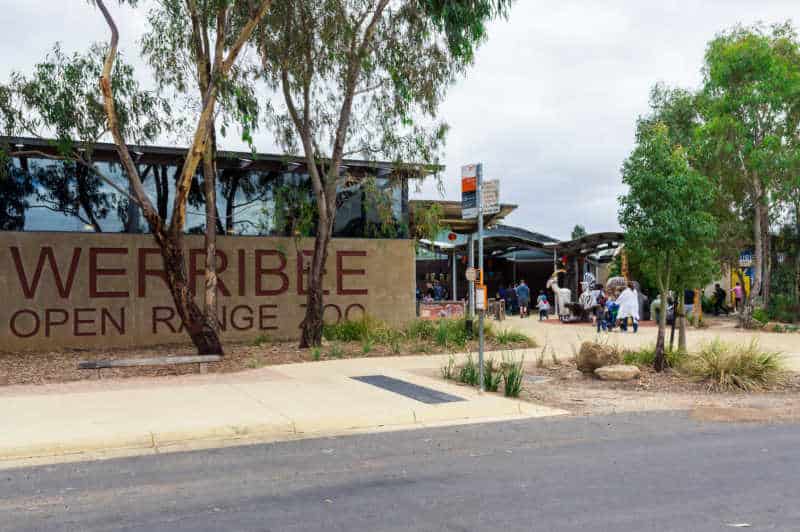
{"x":492,"y":375}
{"x":366,"y":346}
{"x":365,"y":329}
{"x":727,"y":367}
{"x":451,"y":333}
{"x":316,"y":353}
{"x":395,"y":345}
{"x":255,"y":362}
{"x":509,"y":336}
{"x":513,"y":373}
{"x":783,"y":308}
{"x":646,"y":355}
{"x":336,"y":351}
{"x":448,"y":371}
{"x":469,"y":373}
{"x":260,"y":340}
{"x":760,"y":315}
{"x":421,"y":330}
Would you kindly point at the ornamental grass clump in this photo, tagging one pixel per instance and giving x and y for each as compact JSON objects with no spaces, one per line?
{"x":492,"y":375}
{"x":513,"y":375}
{"x":509,"y":336}
{"x":730,"y":367}
{"x":469,"y":373}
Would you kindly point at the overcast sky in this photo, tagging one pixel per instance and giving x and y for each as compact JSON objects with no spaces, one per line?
{"x":549,"y":107}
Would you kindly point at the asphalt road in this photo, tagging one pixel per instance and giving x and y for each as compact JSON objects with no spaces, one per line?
{"x":638,"y":473}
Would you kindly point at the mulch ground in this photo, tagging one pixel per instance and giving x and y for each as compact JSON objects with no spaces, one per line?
{"x":62,"y":366}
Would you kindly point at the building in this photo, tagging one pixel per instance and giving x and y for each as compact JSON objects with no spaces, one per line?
{"x":78,"y":269}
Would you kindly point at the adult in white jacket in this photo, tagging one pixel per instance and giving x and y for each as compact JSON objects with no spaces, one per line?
{"x":628,"y":302}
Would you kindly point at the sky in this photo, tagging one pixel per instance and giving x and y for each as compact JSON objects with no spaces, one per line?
{"x":549,"y":107}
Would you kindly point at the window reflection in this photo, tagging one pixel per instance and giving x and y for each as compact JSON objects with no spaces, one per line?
{"x":40,"y":194}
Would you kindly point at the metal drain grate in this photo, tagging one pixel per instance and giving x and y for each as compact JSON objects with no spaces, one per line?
{"x":409,"y":389}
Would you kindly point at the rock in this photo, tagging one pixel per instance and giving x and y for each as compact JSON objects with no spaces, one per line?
{"x":572,"y":375}
{"x":617,"y":372}
{"x":593,"y":355}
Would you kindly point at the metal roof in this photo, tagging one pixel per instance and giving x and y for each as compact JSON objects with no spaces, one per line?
{"x":146,"y":154}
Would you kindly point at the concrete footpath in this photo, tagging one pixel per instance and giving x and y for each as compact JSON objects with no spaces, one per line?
{"x":135,"y":416}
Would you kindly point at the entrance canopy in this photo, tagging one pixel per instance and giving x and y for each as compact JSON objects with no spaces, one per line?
{"x":600,"y":246}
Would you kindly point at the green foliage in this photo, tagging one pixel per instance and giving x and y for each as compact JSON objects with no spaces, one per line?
{"x":782,"y":307}
{"x":421,"y":330}
{"x":513,"y":375}
{"x":261,"y":339}
{"x":336,"y":351}
{"x":448,"y":371}
{"x":365,"y":329}
{"x":255,"y":362}
{"x":727,"y":367}
{"x":646,"y":355}
{"x":469,"y":372}
{"x":451,"y":333}
{"x":464,"y":21}
{"x":666,"y":214}
{"x":577,"y":232}
{"x":366,"y":346}
{"x":316,"y":353}
{"x":492,"y":375}
{"x":506,"y":337}
{"x":760,"y":315}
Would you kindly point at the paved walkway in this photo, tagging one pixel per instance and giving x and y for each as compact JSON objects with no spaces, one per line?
{"x":565,"y":339}
{"x":132,"y":416}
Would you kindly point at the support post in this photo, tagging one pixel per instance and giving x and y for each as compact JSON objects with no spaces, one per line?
{"x":471,"y":315}
{"x":480,"y":267}
{"x":453,"y":295}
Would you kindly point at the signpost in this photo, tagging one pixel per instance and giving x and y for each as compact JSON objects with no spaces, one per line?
{"x":478,"y":197}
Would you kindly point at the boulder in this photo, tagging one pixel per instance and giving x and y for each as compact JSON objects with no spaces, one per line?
{"x":593,"y":355}
{"x":617,"y":372}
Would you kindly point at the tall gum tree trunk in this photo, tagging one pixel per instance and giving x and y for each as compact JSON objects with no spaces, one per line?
{"x":659,"y":362}
{"x":204,"y":337}
{"x":682,"y":327}
{"x":210,"y":274}
{"x":311,"y":327}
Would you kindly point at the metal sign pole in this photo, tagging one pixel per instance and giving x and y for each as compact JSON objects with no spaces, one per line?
{"x":480,"y":267}
{"x":471,"y":316}
{"x":453,"y":278}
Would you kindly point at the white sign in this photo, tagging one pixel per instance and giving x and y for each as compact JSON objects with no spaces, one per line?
{"x":471,"y":274}
{"x":490,"y":190}
{"x":480,"y":297}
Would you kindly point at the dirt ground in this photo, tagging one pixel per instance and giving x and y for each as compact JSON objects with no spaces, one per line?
{"x":564,"y":339}
{"x":56,"y":367}
{"x":563,"y":386}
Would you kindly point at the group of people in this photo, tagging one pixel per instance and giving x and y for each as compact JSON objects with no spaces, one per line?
{"x":435,"y":291}
{"x":612,"y":310}
{"x":517,"y":297}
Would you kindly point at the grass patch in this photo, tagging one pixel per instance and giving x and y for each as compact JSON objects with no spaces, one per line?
{"x":261,"y":339}
{"x":366,"y":346}
{"x":469,"y":373}
{"x":492,"y":375}
{"x":255,"y":362}
{"x":448,"y":371}
{"x":336,"y":351}
{"x":513,"y":374}
{"x":508,"y":336}
{"x":646,"y":356}
{"x":729,"y":367}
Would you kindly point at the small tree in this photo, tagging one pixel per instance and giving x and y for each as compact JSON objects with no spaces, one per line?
{"x":750,"y":95}
{"x":578,"y":231}
{"x":665,"y":214}
{"x":234,"y":24}
{"x":362,"y":77}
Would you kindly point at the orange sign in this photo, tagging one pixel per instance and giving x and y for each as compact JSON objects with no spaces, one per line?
{"x":469,"y":184}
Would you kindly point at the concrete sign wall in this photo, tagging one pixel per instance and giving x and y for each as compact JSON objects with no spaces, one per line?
{"x":104,"y":290}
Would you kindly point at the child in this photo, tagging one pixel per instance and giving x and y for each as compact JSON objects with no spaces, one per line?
{"x":543,"y":305}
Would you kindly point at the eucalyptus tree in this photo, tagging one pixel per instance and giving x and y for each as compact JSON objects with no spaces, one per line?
{"x":182,"y":56}
{"x":363,"y":78}
{"x":234,"y":24}
{"x":751,"y":86}
{"x":666,"y":215}
{"x":60,"y":98}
